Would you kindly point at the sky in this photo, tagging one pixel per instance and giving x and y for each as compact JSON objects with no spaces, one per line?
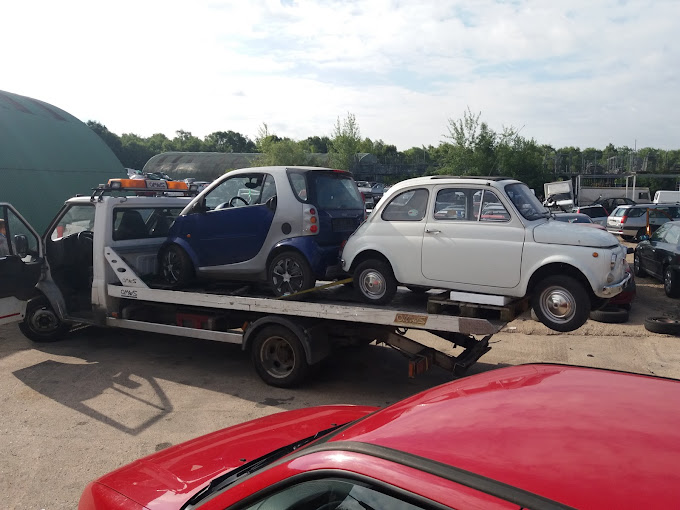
{"x":582,"y":73}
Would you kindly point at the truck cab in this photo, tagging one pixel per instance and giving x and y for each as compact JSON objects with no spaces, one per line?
{"x":56,"y":279}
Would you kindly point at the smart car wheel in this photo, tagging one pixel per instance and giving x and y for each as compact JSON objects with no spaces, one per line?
{"x":279,"y":357}
{"x":289,"y":272}
{"x":561,"y":303}
{"x":176,"y":266}
{"x":671,"y":283}
{"x":41,"y":323}
{"x":374,"y":282}
{"x":637,"y":266}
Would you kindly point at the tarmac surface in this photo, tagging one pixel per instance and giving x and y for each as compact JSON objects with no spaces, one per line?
{"x":79,"y":408}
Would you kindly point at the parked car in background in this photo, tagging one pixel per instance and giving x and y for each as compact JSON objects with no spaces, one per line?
{"x":281,"y":225}
{"x":595,"y":212}
{"x":659,"y":256}
{"x":477,"y":442}
{"x":612,"y":203}
{"x":581,"y":219}
{"x":487,"y":236}
{"x":371,"y":192}
{"x":667,"y":197}
{"x":630,"y":221}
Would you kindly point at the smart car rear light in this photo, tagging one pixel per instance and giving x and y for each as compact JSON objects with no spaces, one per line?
{"x":310,"y":220}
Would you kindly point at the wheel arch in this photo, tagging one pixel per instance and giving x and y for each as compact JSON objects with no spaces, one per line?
{"x":181,"y":243}
{"x":560,"y":268}
{"x":369,"y":254}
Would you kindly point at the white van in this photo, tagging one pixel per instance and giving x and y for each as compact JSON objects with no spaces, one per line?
{"x":666,"y":197}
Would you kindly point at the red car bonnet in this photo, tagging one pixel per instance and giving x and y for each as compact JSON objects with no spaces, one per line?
{"x":584,"y":437}
{"x":170,"y":477}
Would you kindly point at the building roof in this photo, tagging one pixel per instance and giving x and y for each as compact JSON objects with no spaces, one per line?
{"x":47,"y":156}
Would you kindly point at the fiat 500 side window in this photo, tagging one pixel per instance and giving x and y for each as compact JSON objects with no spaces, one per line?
{"x":407,"y":206}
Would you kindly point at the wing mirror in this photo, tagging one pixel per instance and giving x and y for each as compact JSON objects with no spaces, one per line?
{"x":21,"y":245}
{"x":630,"y":250}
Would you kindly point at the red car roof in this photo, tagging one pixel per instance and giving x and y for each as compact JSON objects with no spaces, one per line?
{"x":584,"y":437}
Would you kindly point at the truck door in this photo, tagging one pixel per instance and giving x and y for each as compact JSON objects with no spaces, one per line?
{"x":21,"y":262}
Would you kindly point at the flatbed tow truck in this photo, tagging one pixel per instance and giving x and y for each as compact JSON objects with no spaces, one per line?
{"x":86,"y":271}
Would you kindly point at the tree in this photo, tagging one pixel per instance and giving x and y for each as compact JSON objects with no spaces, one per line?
{"x":186,"y":142}
{"x":318,"y":144}
{"x":280,"y":151}
{"x":228,"y":141}
{"x":109,"y":138}
{"x":135,"y":152}
{"x":345,"y":143}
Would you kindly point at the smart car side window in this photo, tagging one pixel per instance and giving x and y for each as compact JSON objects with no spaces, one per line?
{"x":331,"y":494}
{"x":237,"y":191}
{"x":409,"y":205}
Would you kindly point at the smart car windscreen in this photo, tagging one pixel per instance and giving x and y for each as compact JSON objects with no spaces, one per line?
{"x":526,"y":202}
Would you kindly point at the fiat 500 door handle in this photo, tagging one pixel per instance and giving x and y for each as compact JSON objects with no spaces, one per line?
{"x":432,"y":231}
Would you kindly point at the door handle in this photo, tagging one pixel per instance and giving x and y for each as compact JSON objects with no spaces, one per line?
{"x":432,"y":231}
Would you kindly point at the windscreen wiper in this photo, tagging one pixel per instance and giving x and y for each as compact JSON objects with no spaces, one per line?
{"x":223,"y":481}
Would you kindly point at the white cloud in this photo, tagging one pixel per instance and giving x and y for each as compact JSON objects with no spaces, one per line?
{"x":568,"y":73}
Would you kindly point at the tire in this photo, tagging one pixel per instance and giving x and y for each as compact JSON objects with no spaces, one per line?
{"x":662,"y":325}
{"x":671,"y":282}
{"x":374,"y":282}
{"x":288,"y":273}
{"x":41,"y":323}
{"x":176,"y":267}
{"x":610,"y":315}
{"x":279,"y":357}
{"x":561,"y":303}
{"x":637,"y":266}
{"x":417,"y":290}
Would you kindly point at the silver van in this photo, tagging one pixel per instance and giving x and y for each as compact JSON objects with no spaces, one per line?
{"x":630,"y":221}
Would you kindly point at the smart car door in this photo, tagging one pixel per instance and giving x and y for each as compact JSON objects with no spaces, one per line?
{"x":471,"y":238}
{"x":21,"y":263}
{"x":235,"y":221}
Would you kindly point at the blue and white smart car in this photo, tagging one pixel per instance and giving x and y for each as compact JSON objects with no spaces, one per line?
{"x":283,"y":225}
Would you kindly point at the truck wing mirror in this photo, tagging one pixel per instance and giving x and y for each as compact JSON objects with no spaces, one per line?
{"x":21,"y":245}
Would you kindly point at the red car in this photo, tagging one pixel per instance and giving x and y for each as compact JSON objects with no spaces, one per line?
{"x":531,"y":436}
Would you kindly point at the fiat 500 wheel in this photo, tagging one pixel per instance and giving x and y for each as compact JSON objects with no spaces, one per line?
{"x":561,"y":303}
{"x":374,"y":282}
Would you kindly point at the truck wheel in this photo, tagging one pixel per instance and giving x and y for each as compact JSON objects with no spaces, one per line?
{"x":637,"y":266}
{"x":176,"y":266}
{"x":41,"y":323}
{"x":374,"y":282}
{"x":561,"y":303}
{"x":671,"y":282}
{"x":279,"y":357}
{"x":289,"y":272}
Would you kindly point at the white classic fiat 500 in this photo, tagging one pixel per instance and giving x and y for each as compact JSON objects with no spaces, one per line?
{"x":487,"y":235}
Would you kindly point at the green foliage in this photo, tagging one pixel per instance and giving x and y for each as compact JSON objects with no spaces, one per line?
{"x":471,"y":147}
{"x":345,"y":143}
{"x":281,"y":151}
